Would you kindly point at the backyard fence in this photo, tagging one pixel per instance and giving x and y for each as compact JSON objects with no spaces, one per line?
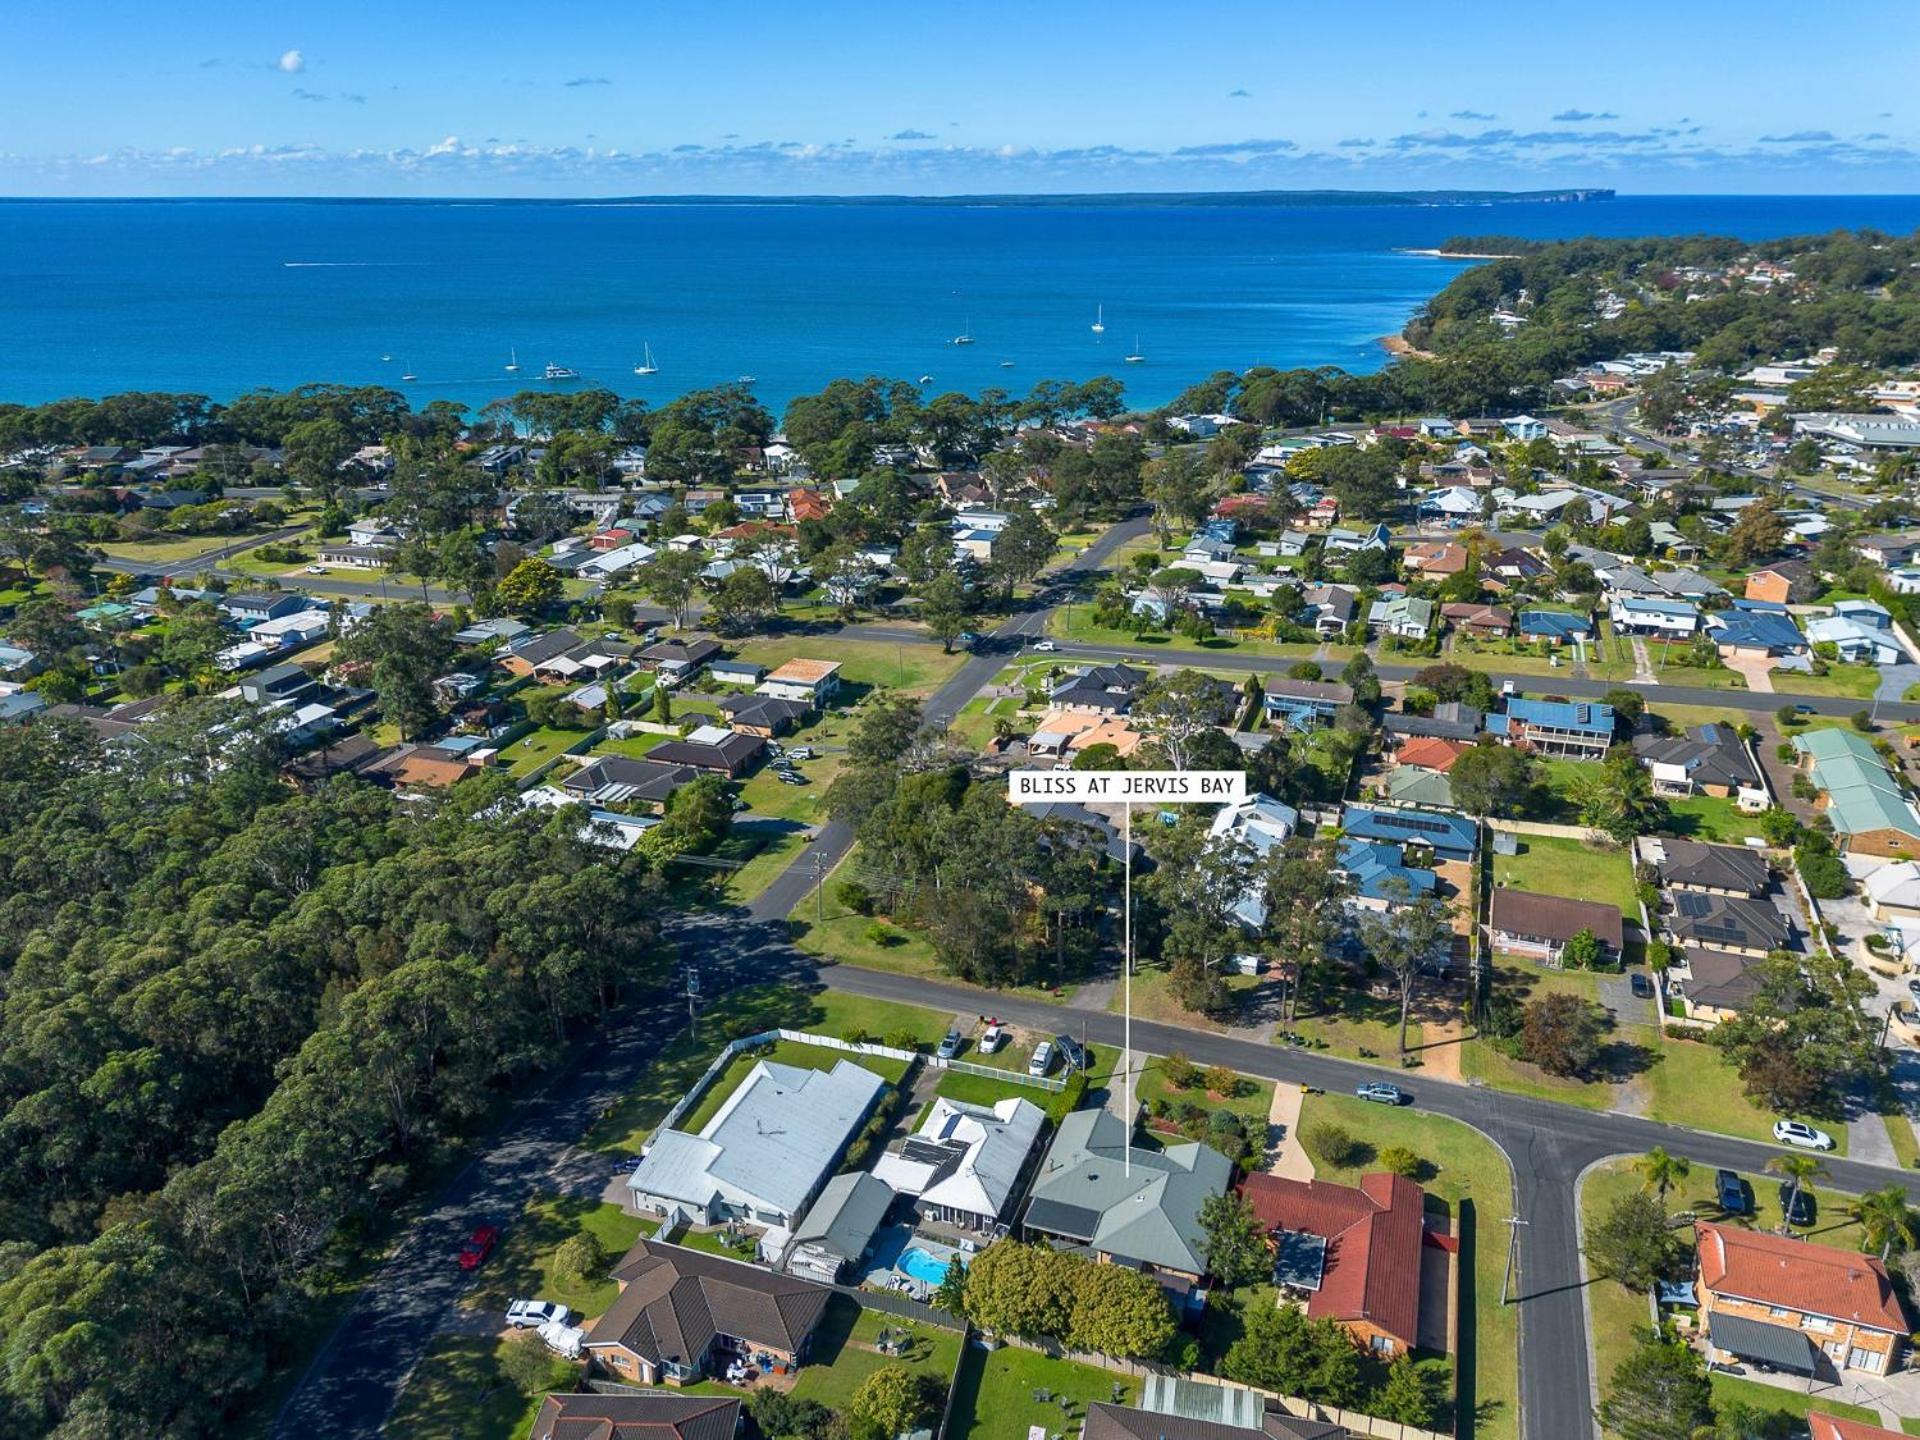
{"x":579,"y":747}
{"x":1583,"y":833}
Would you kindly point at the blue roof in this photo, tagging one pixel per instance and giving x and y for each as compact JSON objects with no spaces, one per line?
{"x":1763,"y":628}
{"x":1553,"y":622}
{"x":1378,"y":872}
{"x":1452,"y":836}
{"x":1588,"y":717}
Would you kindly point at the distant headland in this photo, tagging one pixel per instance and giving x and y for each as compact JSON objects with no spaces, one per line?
{"x":1248,"y":199}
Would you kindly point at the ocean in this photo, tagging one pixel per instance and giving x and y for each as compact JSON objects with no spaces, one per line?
{"x":223,"y":296}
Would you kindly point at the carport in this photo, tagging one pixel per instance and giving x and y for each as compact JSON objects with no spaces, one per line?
{"x":1758,"y":1343}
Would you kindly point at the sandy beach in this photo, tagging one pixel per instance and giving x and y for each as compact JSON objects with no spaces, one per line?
{"x":1455,"y":254}
{"x":1400,"y":347}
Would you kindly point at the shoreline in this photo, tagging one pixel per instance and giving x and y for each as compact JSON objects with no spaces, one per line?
{"x":1402,"y":348}
{"x":1429,"y":253}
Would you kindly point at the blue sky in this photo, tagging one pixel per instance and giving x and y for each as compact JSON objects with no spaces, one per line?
{"x":581,"y":97}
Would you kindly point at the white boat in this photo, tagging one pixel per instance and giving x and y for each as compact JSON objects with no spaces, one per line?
{"x":1099,"y":319}
{"x":1006,"y":364}
{"x":965,"y":337}
{"x":513,"y":360}
{"x":926,"y":380}
{"x":559,"y":372}
{"x":408,"y":375}
{"x":1135,"y":357}
{"x":747,"y":380}
{"x":646,"y":366}
{"x":386,"y":359}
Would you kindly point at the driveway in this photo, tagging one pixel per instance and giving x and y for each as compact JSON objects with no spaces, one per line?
{"x":1616,"y":993}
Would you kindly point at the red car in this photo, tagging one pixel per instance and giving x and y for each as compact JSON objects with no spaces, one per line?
{"x":479,"y":1245}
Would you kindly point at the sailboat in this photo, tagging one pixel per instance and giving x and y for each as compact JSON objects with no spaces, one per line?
{"x":1135,"y":357}
{"x":1099,"y":319}
{"x":646,"y":366}
{"x":408,"y":374}
{"x":965,"y":337}
{"x":513,"y":360}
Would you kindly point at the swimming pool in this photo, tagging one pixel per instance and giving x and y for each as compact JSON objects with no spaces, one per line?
{"x":922,"y":1265}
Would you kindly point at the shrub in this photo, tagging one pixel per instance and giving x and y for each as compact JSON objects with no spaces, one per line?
{"x":1224,"y":1081}
{"x":855,"y":1035}
{"x":580,"y":1259}
{"x":1332,"y":1144}
{"x":1402,"y":1161}
{"x":855,"y":896}
{"x":880,"y":933}
{"x":1861,"y":720}
{"x":903,"y":1040}
{"x":1179,"y":1072}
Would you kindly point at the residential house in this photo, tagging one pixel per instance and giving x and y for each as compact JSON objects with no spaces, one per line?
{"x":277,"y":685}
{"x":1789,"y":582}
{"x":425,"y":767}
{"x":617,"y":561}
{"x":1554,"y":626}
{"x":1892,"y":892}
{"x":1139,"y":1209}
{"x":658,"y":1416}
{"x":1733,"y":923}
{"x":1669,"y":619}
{"x":1711,"y":759}
{"x":354,"y":557}
{"x":1380,"y":875}
{"x":1351,"y":542}
{"x":1443,"y":837}
{"x":1329,"y":609}
{"x":764,"y":1155}
{"x":1430,"y":752}
{"x":965,"y":1161}
{"x":811,"y":682}
{"x":1755,"y":628}
{"x":767,"y":716}
{"x":621,"y":780}
{"x":1262,"y":824}
{"x":248,"y":608}
{"x":20,"y":705}
{"x":839,"y":1228}
{"x":1469,"y":617}
{"x":1514,"y":564}
{"x":679,"y":1311}
{"x":1822,"y":1426}
{"x":1571,"y":729}
{"x":1887,"y":549}
{"x":736,"y":672}
{"x":525,"y":653}
{"x":1068,"y":732}
{"x":1354,"y":1252}
{"x":1103,"y":689}
{"x":1807,"y":1309}
{"x":710,"y":748}
{"x":1452,"y":504}
{"x":679,"y":659}
{"x":1406,"y":616}
{"x":1856,"y":641}
{"x":1526,"y":923}
{"x":1871,"y":813}
{"x":1302,"y":704}
{"x":1435,"y":559}
{"x":1712,"y":986}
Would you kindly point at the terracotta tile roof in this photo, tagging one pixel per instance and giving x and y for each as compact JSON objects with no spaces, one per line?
{"x":1373,"y":1234}
{"x":805,"y":672}
{"x":1796,"y":1275}
{"x":1430,"y":753}
{"x":1832,"y":1427}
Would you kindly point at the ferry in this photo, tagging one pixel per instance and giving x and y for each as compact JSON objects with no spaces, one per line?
{"x":559,"y":372}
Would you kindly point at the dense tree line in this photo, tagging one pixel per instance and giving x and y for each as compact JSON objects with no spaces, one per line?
{"x":238,"y":1022}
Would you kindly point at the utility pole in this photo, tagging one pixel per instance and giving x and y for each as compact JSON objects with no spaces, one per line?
{"x":1514,"y":1222}
{"x":819,"y":889}
{"x":693,"y":999}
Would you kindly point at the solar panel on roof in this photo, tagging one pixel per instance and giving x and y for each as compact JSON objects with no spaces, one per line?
{"x":1692,"y":904}
{"x":927,"y":1152}
{"x":1300,"y":1260}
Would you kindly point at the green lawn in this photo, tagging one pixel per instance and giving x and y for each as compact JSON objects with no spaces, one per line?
{"x":1252,"y":1104}
{"x":1790,"y":1402}
{"x":1631,"y":1048}
{"x":626,"y":1124}
{"x":1708,"y":817}
{"x":784,"y":1052}
{"x":1694,"y":1086}
{"x":995,"y":1395}
{"x":533,"y":750}
{"x":979,"y":1090}
{"x":1471,"y":1181}
{"x":1548,"y":865}
{"x":864,"y":664}
{"x":1850,"y":682}
{"x":1076,"y":622}
{"x":458,"y":1392}
{"x":843,"y":1353}
{"x":522,"y":1267}
{"x":1153,"y":999}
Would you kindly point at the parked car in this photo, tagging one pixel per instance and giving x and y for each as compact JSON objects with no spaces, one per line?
{"x":1797,"y":1205}
{"x":563,"y":1339}
{"x":1071,"y":1051}
{"x":316,"y":569}
{"x":532,"y":1314}
{"x":966,"y":638}
{"x":992,"y":1038}
{"x":479,"y":1245}
{"x":949,"y":1045}
{"x":1807,"y":1137}
{"x":1382,"y":1092}
{"x":1042,"y":1060}
{"x":1913,"y":987}
{"x":1730,"y":1191}
{"x":1046,"y":647}
{"x":1641,"y":985}
{"x":789,"y":777}
{"x":801,"y":752}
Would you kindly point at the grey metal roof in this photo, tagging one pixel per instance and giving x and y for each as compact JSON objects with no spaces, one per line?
{"x":1775,"y":1345}
{"x":850,"y":1208}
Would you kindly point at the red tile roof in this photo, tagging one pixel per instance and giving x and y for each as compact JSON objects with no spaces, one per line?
{"x":1430,"y":753}
{"x":1373,"y":1236}
{"x":1831,"y":1427}
{"x":1796,"y":1275}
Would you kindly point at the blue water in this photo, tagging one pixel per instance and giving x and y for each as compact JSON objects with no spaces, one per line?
{"x":922,"y":1266}
{"x":218,"y":296}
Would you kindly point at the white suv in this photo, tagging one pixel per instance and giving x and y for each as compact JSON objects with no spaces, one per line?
{"x":531,"y":1314}
{"x":1792,"y":1132}
{"x":1042,"y":1059}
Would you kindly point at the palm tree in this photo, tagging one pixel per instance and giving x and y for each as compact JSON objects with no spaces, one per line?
{"x":1662,"y":1172}
{"x":1886,"y":1218}
{"x":1798,"y":1169}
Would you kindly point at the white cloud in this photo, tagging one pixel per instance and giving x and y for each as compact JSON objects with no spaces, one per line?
{"x":292,"y":62}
